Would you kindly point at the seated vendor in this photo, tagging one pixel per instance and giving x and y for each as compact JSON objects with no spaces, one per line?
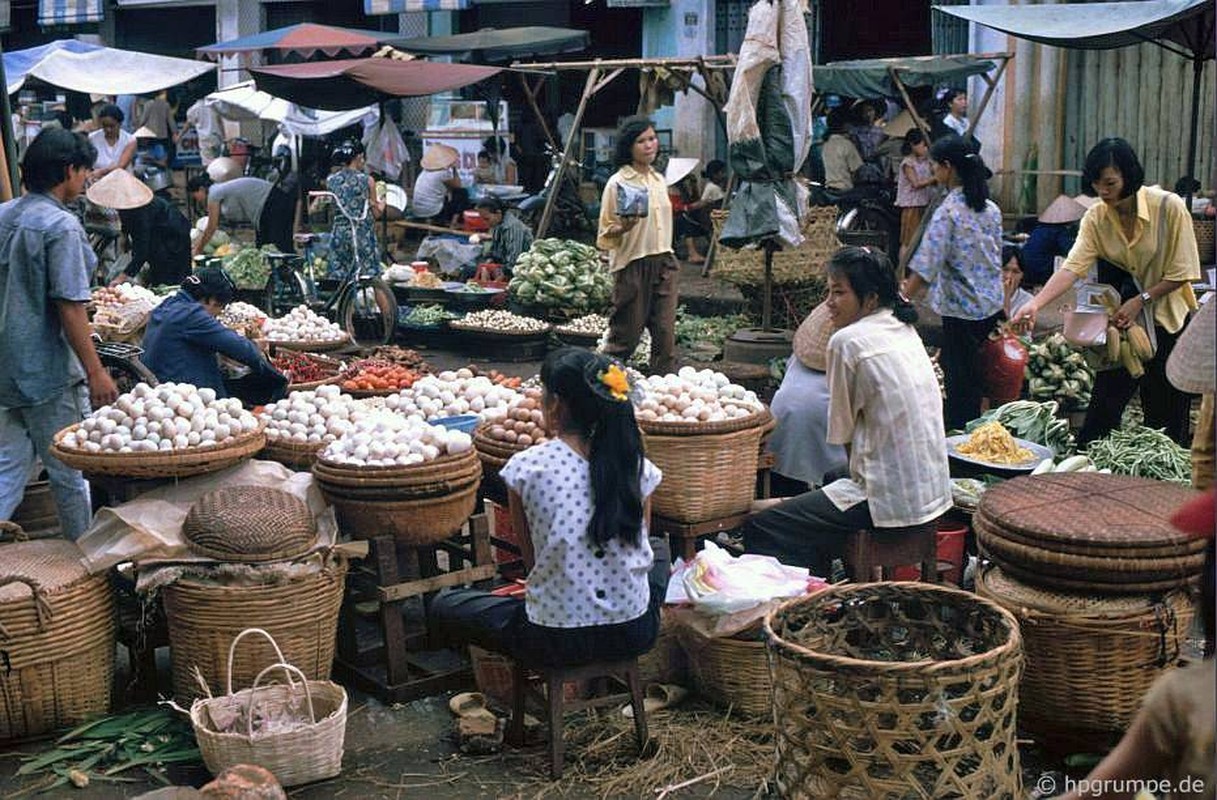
{"x":439,"y":197}
{"x":184,"y":337}
{"x":802,"y":453}
{"x":579,"y":505}
{"x":509,"y":236}
{"x":884,"y":407}
{"x":1053,"y":235}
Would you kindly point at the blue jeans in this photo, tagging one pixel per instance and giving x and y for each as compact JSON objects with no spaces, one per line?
{"x":27,"y":432}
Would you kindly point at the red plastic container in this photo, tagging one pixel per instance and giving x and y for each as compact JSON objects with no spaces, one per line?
{"x":475,"y":222}
{"x":952,"y":537}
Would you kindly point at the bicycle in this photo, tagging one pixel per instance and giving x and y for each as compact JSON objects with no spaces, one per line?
{"x":121,"y":360}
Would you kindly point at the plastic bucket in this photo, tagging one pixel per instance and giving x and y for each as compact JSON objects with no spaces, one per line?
{"x":951,"y":539}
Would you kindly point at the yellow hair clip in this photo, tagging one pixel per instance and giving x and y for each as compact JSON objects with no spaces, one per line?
{"x":617,"y":382}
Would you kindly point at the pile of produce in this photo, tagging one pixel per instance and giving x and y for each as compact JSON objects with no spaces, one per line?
{"x":317,"y":416}
{"x":171,"y":416}
{"x":248,"y":266}
{"x":702,"y":338}
{"x":419,"y":279}
{"x":500,"y":322}
{"x":587,"y":325}
{"x":1071,"y":464}
{"x":472,"y":287}
{"x":641,"y":356}
{"x":301,"y":324}
{"x":557,"y":273}
{"x":218,"y":245}
{"x":1058,"y":371}
{"x":386,"y":440}
{"x":1035,"y":422}
{"x":499,"y":379}
{"x":1142,"y":452}
{"x":966,"y":492}
{"x":451,"y":394}
{"x":428,"y":316}
{"x":991,"y":442}
{"x":305,"y":367}
{"x":374,"y":375}
{"x":111,"y":296}
{"x":694,"y":396}
{"x":524,"y":425}
{"x":400,"y":355}
{"x":241,"y":316}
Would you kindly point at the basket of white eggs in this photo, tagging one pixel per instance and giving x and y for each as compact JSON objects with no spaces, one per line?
{"x":304,"y":329}
{"x":173,"y":430}
{"x":398,"y":475}
{"x":301,"y":424}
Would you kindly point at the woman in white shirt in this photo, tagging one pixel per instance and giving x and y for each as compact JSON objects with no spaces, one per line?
{"x":884,"y":406}
{"x":579,"y":505}
{"x":115,"y":146}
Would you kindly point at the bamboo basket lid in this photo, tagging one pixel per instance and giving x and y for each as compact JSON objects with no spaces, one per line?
{"x":249,"y":524}
{"x":54,"y":564}
{"x":1028,"y":600}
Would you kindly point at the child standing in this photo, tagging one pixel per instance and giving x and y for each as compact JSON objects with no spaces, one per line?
{"x":913,"y":185}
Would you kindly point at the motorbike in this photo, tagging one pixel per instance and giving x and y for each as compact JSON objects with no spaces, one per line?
{"x":569,"y":215}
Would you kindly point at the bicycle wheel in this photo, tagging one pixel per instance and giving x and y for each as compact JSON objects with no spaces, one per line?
{"x":287,"y":289}
{"x":127,"y":371}
{"x":368,"y":312}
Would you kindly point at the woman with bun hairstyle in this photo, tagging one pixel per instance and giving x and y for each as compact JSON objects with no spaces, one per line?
{"x":580,"y":505}
{"x":884,"y":407}
{"x":959,"y":260}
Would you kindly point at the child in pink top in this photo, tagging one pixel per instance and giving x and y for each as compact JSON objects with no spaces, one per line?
{"x":913,"y":185}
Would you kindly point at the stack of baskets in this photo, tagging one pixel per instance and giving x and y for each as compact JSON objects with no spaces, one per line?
{"x":895,"y":690}
{"x":493,"y":454}
{"x":1094,"y":571}
{"x":709,"y":468}
{"x":419,"y":505}
{"x":57,"y":637}
{"x":296,"y":599}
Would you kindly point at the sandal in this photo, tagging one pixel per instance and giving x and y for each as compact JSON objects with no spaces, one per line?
{"x":657,"y":697}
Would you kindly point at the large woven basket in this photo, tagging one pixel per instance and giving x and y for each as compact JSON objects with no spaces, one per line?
{"x":293,"y":455}
{"x":310,"y":347}
{"x":895,"y":690}
{"x":1206,"y":238}
{"x":56,"y":636}
{"x":167,"y":464}
{"x":304,"y":754}
{"x":705,"y":476}
{"x":729,"y":671}
{"x":411,"y":522}
{"x":204,"y":618}
{"x":746,"y":267}
{"x":1090,"y":658}
{"x":249,"y":524}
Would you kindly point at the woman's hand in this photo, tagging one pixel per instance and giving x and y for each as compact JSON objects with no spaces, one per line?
{"x":1128,"y":313}
{"x":1023,"y":320}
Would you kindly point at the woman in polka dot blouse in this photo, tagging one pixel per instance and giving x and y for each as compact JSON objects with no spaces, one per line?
{"x":580,"y":504}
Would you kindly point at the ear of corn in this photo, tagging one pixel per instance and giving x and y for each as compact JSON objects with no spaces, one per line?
{"x":1113,"y":343}
{"x":1130,"y":361}
{"x":1138,"y":339}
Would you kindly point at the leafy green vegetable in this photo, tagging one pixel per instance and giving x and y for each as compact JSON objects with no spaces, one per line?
{"x":1056,"y":371}
{"x":248,"y":268}
{"x":561,"y":274}
{"x":1035,"y":422}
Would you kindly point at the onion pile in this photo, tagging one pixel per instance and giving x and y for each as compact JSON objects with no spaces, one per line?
{"x":239,"y":315}
{"x":383,"y":439}
{"x":524,"y":424}
{"x":587,"y":325}
{"x":171,"y":416}
{"x":694,"y":396}
{"x":453,"y":393}
{"x":301,"y":324}
{"x":316,"y":416}
{"x":499,"y":322}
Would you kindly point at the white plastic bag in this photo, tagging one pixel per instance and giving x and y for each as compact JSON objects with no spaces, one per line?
{"x":386,"y":152}
{"x":716,"y":582}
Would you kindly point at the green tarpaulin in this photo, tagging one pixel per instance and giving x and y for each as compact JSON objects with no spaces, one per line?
{"x":872,"y":77}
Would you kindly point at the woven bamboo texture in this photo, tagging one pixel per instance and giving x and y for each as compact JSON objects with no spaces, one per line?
{"x":204,"y":618}
{"x":293,"y":455}
{"x":895,"y":690}
{"x":310,"y":347}
{"x":704,"y":477}
{"x":304,"y":754}
{"x":666,"y":661}
{"x":57,"y":637}
{"x":330,"y":365}
{"x":747,"y":266}
{"x":168,"y":464}
{"x":1090,"y":658}
{"x":729,"y":672}
{"x":758,"y":420}
{"x":249,"y":524}
{"x":411,"y":522}
{"x":1206,"y":239}
{"x":441,"y":476}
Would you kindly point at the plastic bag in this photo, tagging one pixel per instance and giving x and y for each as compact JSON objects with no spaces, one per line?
{"x":719,"y":583}
{"x":386,"y":152}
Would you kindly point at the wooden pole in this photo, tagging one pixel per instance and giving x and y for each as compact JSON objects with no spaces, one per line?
{"x":555,"y":186}
{"x":715,"y":62}
{"x":908,"y":102}
{"x":531,"y":94}
{"x":8,"y":147}
{"x":984,"y":100}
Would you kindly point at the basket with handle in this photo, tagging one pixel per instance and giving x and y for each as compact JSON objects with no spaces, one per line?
{"x":296,"y":753}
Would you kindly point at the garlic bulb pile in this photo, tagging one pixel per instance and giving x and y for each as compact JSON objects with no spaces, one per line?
{"x":238,"y":314}
{"x":587,"y":325}
{"x":383,"y":439}
{"x":694,"y":396}
{"x":302,"y":325}
{"x":500,"y":322}
{"x":641,"y":354}
{"x":171,"y":416}
{"x":317,"y":416}
{"x":452,"y":393}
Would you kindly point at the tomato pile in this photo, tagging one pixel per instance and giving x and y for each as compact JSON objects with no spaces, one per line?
{"x":499,"y":379}
{"x":374,"y":375}
{"x":300,"y":368}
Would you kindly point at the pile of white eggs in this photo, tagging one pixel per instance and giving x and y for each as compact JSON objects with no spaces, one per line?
{"x":694,"y":396}
{"x":301,"y":324}
{"x":452,"y":393}
{"x":317,"y":416}
{"x":171,"y":416}
{"x":383,"y":439}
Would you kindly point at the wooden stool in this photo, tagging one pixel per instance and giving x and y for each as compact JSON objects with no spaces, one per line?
{"x":887,"y":548}
{"x":685,"y":537}
{"x":555,"y":679}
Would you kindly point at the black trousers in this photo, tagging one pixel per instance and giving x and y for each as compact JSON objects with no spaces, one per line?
{"x":962,"y":371}
{"x":1164,"y":406}
{"x":276,"y":220}
{"x":501,"y":624}
{"x":805,"y":531}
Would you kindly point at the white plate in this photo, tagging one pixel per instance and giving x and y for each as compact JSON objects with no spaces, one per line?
{"x":1038,"y":453}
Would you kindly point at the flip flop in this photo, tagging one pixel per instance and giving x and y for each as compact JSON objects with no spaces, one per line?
{"x":658,"y":696}
{"x":470,"y":704}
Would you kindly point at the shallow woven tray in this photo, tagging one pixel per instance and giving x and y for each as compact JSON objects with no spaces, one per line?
{"x":759,"y":419}
{"x":311,"y":347}
{"x":304,"y":387}
{"x":249,"y":524}
{"x":493,"y":334}
{"x":1098,"y":569}
{"x":1033,"y":576}
{"x":484,"y":444}
{"x":445,"y":467}
{"x":360,"y":394}
{"x":291,"y":454}
{"x":1184,"y":547}
{"x":168,"y":464}
{"x":1087,"y":507}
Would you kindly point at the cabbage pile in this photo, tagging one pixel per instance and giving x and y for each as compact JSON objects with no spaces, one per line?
{"x":558,"y":273}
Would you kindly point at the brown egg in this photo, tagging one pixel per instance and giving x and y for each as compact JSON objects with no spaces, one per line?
{"x":538,"y":417}
{"x":497,"y":431}
{"x":510,"y":436}
{"x":524,"y":439}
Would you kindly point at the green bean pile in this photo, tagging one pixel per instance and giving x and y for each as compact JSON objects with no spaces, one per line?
{"x":1143,"y":452}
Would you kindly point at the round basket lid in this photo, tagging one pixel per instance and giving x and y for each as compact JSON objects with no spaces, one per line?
{"x":996,"y":584}
{"x":55,"y":564}
{"x":249,"y":524}
{"x":1081,"y":507}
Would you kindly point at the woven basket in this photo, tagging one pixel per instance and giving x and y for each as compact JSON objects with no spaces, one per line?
{"x":895,"y":690}
{"x":310,"y":347}
{"x":1090,"y":658}
{"x":1206,"y":238}
{"x":249,"y":524}
{"x":440,"y":475}
{"x":728,"y":671}
{"x":746,"y":267}
{"x":760,"y":419}
{"x":57,"y":637}
{"x":305,"y":754}
{"x":665,"y":662}
{"x":293,"y":455}
{"x":168,"y":464}
{"x":412,"y":522}
{"x":204,"y":618}
{"x":331,"y":365}
{"x":705,"y":476}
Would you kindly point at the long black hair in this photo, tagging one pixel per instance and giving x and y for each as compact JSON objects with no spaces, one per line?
{"x":574,"y":376}
{"x":869,"y":272}
{"x":628,"y":131}
{"x":968,"y":165}
{"x":1113,"y":152}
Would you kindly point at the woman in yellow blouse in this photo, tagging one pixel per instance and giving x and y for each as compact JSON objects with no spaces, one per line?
{"x":1132,"y":232}
{"x":640,"y":250}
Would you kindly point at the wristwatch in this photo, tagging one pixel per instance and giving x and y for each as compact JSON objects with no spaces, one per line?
{"x":1146,"y":297}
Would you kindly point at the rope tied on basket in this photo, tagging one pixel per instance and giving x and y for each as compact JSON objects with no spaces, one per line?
{"x":1165,"y":622}
{"x":42,"y":608}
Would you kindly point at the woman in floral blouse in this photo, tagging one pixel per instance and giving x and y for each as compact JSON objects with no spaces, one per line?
{"x":959,"y":259}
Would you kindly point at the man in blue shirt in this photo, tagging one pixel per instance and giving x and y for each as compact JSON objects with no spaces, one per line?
{"x":184,"y":337}
{"x":49,"y":371}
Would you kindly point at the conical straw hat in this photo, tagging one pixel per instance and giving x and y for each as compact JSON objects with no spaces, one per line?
{"x":1191,"y":365}
{"x":811,"y":339}
{"x":1062,"y":210}
{"x":439,"y":156}
{"x":145,"y":132}
{"x":678,"y":169}
{"x":121,"y":190}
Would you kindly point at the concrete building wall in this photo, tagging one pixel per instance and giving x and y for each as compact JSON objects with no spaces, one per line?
{"x":684,"y":29}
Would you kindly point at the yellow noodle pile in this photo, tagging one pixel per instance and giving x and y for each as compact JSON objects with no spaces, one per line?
{"x":993,"y":443}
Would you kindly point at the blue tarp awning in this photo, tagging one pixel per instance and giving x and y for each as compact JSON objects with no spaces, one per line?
{"x":19,"y":62}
